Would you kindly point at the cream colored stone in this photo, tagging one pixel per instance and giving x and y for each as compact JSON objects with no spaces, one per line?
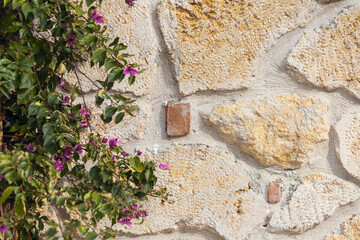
{"x":281,"y":130}
{"x":329,"y":57}
{"x":209,"y":190}
{"x":134,"y":28}
{"x":315,"y":199}
{"x":347,"y":136}
{"x":214,"y":44}
{"x":131,"y":128}
{"x":350,"y":230}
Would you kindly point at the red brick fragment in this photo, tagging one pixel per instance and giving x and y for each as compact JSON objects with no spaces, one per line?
{"x":274,"y":192}
{"x":178,"y":119}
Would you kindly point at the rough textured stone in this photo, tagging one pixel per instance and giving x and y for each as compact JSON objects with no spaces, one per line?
{"x":274,"y":192}
{"x":315,"y":199}
{"x":281,"y":130}
{"x":329,"y":57}
{"x":350,"y":230}
{"x":178,"y":119}
{"x":131,"y":128}
{"x":328,"y":1}
{"x":214,"y":44}
{"x":209,"y":190}
{"x":133,"y":26}
{"x":347,"y":139}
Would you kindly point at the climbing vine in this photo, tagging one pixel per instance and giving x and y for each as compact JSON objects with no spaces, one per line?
{"x":51,"y":159}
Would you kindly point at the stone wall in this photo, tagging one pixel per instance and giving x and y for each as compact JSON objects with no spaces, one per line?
{"x":266,"y":141}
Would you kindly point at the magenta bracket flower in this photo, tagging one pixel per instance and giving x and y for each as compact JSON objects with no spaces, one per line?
{"x":164,"y":166}
{"x":3,"y":147}
{"x":113,"y":142}
{"x":71,"y":39}
{"x":31,"y":148}
{"x":78,"y":149}
{"x":125,"y":221}
{"x":66,"y":100}
{"x":3,"y":228}
{"x":130,"y":70}
{"x":131,"y":3}
{"x":97,"y":17}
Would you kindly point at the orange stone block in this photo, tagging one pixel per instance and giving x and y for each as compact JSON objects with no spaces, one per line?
{"x":178,"y":119}
{"x":274,"y":192}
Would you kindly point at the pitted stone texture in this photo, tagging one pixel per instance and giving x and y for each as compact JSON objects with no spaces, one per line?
{"x":214,"y":44}
{"x":281,"y":130}
{"x":329,"y":57}
{"x":315,"y":199}
{"x":347,"y":139}
{"x":350,"y":230}
{"x":134,"y":28}
{"x":130,"y":128}
{"x":209,"y":190}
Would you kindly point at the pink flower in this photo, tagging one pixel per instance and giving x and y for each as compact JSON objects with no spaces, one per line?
{"x":130,"y":70}
{"x":104,"y":140}
{"x":124,"y":210}
{"x":93,"y":142}
{"x":66,"y":100}
{"x":164,"y":166}
{"x":31,"y":148}
{"x":124,"y":153}
{"x":133,"y":206}
{"x":84,"y":124}
{"x":113,"y":158}
{"x":125,"y":221}
{"x":131,"y":3}
{"x":58,"y":165}
{"x":78,"y":149}
{"x":68,"y":152}
{"x":2,"y":177}
{"x":3,"y":228}
{"x":71,"y":39}
{"x":113,"y":142}
{"x":62,"y":80}
{"x":139,"y":153}
{"x":96,"y":16}
{"x":3,"y":147}
{"x":83,"y":111}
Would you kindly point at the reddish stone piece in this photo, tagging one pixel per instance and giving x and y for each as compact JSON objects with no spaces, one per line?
{"x":178,"y":119}
{"x":274,"y":192}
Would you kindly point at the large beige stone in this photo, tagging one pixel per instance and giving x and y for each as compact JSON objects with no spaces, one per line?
{"x":347,"y":136}
{"x":209,"y":190}
{"x":350,"y":230}
{"x":315,"y":199}
{"x":329,"y":57}
{"x":282,"y":130}
{"x":214,"y":44}
{"x":134,"y":28}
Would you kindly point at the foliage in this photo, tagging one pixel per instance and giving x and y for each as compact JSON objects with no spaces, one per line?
{"x":48,"y":139}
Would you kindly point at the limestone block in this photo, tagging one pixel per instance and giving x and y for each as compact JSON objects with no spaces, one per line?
{"x":134,"y":28}
{"x":209,"y":191}
{"x":350,"y":230}
{"x":214,"y":44}
{"x":347,"y":139}
{"x":329,"y":57}
{"x":130,"y":128}
{"x":315,"y":199}
{"x":281,"y":130}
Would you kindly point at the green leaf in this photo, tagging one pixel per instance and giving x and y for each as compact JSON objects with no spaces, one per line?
{"x":115,"y":74}
{"x":10,"y":176}
{"x":119,"y":117}
{"x":43,"y":112}
{"x":53,"y":99}
{"x":33,"y":108}
{"x":148,"y":174}
{"x":89,"y":2}
{"x":94,"y":173}
{"x":136,"y":164}
{"x":110,"y":63}
{"x":79,"y":11}
{"x":26,"y":9}
{"x":6,"y":194}
{"x":70,"y":138}
{"x":74,"y":93}
{"x":131,"y":80}
{"x":91,"y":236}
{"x":51,"y":232}
{"x":6,"y":2}
{"x":99,"y":55}
{"x":109,"y":111}
{"x":88,"y":39}
{"x":50,"y":143}
{"x":60,"y":201}
{"x":24,"y":95}
{"x":48,"y":129}
{"x":20,"y":207}
{"x":27,"y":81}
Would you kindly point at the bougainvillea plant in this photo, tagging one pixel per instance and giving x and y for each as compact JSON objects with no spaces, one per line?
{"x":51,"y":159}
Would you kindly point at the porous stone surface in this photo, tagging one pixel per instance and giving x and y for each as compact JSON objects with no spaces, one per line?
{"x":214,"y":43}
{"x":282,"y":130}
{"x":274,"y":194}
{"x":208,"y":190}
{"x":329,"y":57}
{"x":178,"y":119}
{"x":314,"y":200}
{"x":350,"y":230}
{"x":347,"y":139}
{"x":130,"y":128}
{"x":134,"y":28}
